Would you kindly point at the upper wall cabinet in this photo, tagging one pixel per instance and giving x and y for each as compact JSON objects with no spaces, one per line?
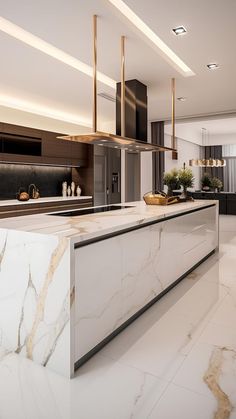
{"x":28,"y":145}
{"x":67,"y":151}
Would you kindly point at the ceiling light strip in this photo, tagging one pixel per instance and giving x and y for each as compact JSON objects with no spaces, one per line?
{"x":34,"y":41}
{"x":25,"y":106}
{"x":152,"y":36}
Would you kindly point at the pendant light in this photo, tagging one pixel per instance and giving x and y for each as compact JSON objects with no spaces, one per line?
{"x":210,"y":162}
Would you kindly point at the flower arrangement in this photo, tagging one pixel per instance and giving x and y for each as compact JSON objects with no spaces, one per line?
{"x":209,"y":182}
{"x":177,"y":178}
{"x":171,"y":179}
{"x":186,"y":178}
{"x":206,"y":182}
{"x":216,"y":184}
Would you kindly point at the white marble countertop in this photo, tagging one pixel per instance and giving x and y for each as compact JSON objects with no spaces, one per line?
{"x":9,"y":202}
{"x":86,"y":227}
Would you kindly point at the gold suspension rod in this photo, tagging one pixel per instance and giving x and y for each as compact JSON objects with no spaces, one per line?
{"x":123,"y":86}
{"x":94,"y":73}
{"x":173,"y":139}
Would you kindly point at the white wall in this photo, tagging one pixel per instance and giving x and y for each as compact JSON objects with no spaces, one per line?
{"x":146,"y":172}
{"x":221,"y":139}
{"x":186,"y":151}
{"x":186,"y":131}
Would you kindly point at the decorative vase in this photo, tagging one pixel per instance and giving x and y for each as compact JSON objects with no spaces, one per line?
{"x":78,"y":190}
{"x":64,"y":189}
{"x":72,"y":188}
{"x":184,"y":193}
{"x":22,"y":195}
{"x":169,"y":191}
{"x":68,"y":191}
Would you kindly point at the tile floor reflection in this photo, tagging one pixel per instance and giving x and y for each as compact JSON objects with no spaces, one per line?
{"x":177,"y":361}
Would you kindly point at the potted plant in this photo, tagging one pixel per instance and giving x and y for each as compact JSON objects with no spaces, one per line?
{"x":216,"y":184}
{"x":206,"y":182}
{"x":186,"y":180}
{"x":171,"y":180}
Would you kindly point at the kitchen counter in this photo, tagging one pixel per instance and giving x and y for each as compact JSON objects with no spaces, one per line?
{"x":70,"y":284}
{"x":14,"y":208}
{"x":87,"y":227}
{"x":9,"y":202}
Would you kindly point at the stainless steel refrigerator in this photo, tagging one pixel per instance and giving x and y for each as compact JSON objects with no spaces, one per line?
{"x":107,"y":175}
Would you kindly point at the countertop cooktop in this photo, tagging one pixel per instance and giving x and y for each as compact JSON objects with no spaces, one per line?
{"x":93,"y":210}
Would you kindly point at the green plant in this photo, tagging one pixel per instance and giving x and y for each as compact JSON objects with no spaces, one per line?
{"x":206,"y":180}
{"x":186,"y":178}
{"x":216,"y":183}
{"x":171,"y":179}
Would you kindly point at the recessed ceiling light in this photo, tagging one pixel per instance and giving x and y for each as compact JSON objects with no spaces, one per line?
{"x":165,"y":51}
{"x":213,"y":66}
{"x":182,"y":98}
{"x":180,"y":30}
{"x":49,"y":49}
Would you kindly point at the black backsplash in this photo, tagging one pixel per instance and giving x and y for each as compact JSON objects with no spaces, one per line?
{"x":47,"y":179}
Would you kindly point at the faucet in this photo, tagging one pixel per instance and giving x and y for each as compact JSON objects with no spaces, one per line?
{"x":35,"y":193}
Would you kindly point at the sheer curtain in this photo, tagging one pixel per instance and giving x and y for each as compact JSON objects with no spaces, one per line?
{"x":230,"y":174}
{"x":229,"y":154}
{"x":158,"y":159}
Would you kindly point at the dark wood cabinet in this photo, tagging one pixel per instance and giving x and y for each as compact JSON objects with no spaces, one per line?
{"x":28,"y":145}
{"x":227,"y":205}
{"x":231,"y":204}
{"x":30,"y":208}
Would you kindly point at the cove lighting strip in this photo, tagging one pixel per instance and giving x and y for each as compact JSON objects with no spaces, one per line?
{"x":166,"y":52}
{"x":35,"y":42}
{"x":25,"y":106}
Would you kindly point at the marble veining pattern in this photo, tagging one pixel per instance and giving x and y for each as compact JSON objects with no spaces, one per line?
{"x":116,"y":384}
{"x":52,"y":308}
{"x":31,"y":266}
{"x":211,"y":378}
{"x":90,"y":226}
{"x":141,"y":264}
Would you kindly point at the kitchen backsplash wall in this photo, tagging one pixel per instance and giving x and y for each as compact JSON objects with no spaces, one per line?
{"x":47,"y":179}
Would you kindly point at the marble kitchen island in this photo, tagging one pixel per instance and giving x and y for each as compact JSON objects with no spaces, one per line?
{"x":69,"y":284}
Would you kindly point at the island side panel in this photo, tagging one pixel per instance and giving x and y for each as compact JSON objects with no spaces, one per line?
{"x":118,"y":276}
{"x":35,"y":298}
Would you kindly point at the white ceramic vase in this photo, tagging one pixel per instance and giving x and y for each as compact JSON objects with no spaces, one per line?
{"x":78,"y":190}
{"x":64,"y":189}
{"x":72,"y":188}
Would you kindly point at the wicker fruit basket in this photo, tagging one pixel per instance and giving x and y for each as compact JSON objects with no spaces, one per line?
{"x":159,"y":198}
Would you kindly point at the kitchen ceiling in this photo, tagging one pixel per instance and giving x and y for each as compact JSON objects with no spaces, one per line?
{"x":30,"y":75}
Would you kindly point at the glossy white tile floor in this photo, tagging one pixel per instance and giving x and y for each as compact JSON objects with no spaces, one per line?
{"x":155,"y":369}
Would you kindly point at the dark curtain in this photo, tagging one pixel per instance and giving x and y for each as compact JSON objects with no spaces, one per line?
{"x":158,"y":159}
{"x":214,"y":152}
